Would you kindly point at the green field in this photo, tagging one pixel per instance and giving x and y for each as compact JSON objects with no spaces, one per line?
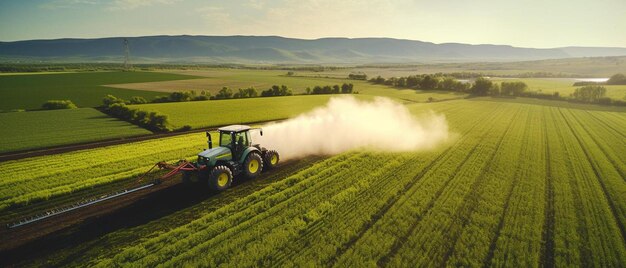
{"x":38,"y":129}
{"x":522,"y":185}
{"x":84,"y":89}
{"x":39,"y":178}
{"x":223,"y":112}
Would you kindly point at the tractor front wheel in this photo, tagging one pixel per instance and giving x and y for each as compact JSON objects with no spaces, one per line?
{"x":220,"y":178}
{"x":253,"y":165}
{"x":271,"y":159}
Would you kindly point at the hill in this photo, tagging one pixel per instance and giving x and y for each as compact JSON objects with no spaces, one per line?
{"x":275,"y":49}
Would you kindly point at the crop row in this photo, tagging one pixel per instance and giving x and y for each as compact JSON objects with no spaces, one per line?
{"x":596,"y":235}
{"x":439,"y":228}
{"x":39,"y":178}
{"x":36,"y":129}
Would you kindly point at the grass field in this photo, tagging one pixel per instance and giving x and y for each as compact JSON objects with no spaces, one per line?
{"x":37,"y":129}
{"x":84,"y":89}
{"x":523,"y":185}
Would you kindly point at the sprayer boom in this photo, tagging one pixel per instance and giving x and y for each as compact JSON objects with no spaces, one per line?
{"x":182,"y":165}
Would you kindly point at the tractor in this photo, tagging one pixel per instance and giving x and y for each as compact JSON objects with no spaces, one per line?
{"x":235,"y":155}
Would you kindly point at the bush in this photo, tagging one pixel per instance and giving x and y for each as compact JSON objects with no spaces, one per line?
{"x":59,"y":104}
{"x":137,"y":100}
{"x":482,"y":86}
{"x":152,"y":121}
{"x":513,"y":88}
{"x":108,"y":100}
{"x":617,"y":79}
{"x":589,"y":93}
{"x":246,"y":93}
{"x":357,"y":76}
{"x":224,"y":93}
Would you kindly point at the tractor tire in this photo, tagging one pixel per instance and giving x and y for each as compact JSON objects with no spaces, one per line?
{"x":220,"y":178}
{"x":253,"y":165}
{"x":270,"y":159}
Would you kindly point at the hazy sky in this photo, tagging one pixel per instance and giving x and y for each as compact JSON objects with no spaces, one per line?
{"x":528,"y":23}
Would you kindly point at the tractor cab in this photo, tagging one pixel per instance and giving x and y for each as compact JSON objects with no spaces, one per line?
{"x":236,"y":138}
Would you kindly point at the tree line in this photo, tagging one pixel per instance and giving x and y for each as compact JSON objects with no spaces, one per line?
{"x":483,"y":86}
{"x":345,"y":88}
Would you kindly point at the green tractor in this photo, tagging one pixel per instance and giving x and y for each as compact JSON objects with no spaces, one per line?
{"x":235,"y":155}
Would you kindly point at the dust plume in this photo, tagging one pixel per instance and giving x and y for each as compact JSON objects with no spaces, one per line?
{"x":346,"y":123}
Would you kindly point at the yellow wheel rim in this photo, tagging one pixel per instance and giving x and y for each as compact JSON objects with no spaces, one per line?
{"x":222,"y":180}
{"x":253,"y":166}
{"x":274,"y":159}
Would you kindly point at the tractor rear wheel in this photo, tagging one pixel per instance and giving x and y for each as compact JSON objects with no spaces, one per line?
{"x":270,"y":160}
{"x":220,"y":178}
{"x":253,"y":165}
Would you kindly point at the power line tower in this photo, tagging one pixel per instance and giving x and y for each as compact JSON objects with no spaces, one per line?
{"x":127,"y":64}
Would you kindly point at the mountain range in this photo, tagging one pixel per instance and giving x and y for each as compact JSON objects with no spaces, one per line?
{"x":275,"y":49}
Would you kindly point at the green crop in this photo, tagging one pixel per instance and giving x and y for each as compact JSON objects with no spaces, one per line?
{"x":38,"y":129}
{"x":223,"y":112}
{"x":84,"y":89}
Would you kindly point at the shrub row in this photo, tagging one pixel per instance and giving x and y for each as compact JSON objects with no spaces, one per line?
{"x":117,"y":108}
{"x":58,"y":104}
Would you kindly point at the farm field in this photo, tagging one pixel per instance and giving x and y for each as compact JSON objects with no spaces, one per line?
{"x":564,"y":86}
{"x":522,"y":185}
{"x":85,"y":89}
{"x":223,"y":112}
{"x":38,"y":129}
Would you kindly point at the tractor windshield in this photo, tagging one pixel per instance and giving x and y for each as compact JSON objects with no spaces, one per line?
{"x":225,"y":139}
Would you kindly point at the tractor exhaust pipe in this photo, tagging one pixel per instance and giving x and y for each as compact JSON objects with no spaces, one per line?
{"x":210,"y":142}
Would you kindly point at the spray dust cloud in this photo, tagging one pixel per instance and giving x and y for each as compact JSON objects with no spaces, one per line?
{"x":346,"y":123}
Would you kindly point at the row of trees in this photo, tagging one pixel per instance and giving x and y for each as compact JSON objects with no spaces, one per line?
{"x":423,"y":81}
{"x":116,"y":107}
{"x":483,"y":86}
{"x":357,"y":76}
{"x":335,"y":89}
{"x":592,"y":93}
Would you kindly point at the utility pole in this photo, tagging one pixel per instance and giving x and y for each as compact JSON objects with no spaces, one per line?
{"x":127,"y":65}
